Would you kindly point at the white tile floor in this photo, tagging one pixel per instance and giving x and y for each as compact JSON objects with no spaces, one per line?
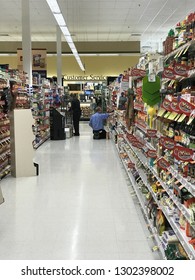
{"x":79,"y":207}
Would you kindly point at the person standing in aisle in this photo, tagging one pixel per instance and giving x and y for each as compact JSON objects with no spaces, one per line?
{"x":97,"y":123}
{"x":76,"y":112}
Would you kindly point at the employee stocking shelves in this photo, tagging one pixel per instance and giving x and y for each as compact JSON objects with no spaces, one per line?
{"x":97,"y":123}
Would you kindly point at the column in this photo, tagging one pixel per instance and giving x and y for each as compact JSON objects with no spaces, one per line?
{"x":59,"y":55}
{"x":26,"y":40}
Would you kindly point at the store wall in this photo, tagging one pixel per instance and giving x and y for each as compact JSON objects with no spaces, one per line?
{"x":96,"y":65}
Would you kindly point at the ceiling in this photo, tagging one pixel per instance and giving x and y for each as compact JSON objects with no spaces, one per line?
{"x":98,"y":20}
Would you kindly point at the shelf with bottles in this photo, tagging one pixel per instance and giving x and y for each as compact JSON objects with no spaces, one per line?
{"x":150,"y":193}
{"x":163,"y":195}
{"x":179,"y":158}
{"x":4,"y":127}
{"x":41,"y":100}
{"x":141,"y":192}
{"x":180,"y":171}
{"x":182,"y":34}
{"x":86,"y":111}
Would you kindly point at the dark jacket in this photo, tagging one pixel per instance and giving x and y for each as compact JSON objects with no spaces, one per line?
{"x":75,"y":107}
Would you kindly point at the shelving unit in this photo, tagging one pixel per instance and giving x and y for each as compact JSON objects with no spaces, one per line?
{"x":132,"y":161}
{"x":86,"y":111}
{"x":41,"y":101}
{"x":4,"y":128}
{"x":159,"y":166}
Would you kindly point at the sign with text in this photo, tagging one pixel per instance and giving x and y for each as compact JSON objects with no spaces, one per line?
{"x":163,"y":164}
{"x":167,"y":143}
{"x":168,"y":73}
{"x":181,"y":70}
{"x":135,"y":72}
{"x":183,"y":154}
{"x":152,"y":133}
{"x":38,"y":59}
{"x":151,"y":154}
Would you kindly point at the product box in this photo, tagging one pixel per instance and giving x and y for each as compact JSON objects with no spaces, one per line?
{"x":1,"y":196}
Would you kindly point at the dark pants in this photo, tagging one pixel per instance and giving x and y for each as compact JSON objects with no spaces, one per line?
{"x":99,"y":134}
{"x":76,"y":119}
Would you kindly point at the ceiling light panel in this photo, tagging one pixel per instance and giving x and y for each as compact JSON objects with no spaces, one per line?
{"x":55,"y":9}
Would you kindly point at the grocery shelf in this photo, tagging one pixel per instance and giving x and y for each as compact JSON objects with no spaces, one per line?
{"x":141,"y":200}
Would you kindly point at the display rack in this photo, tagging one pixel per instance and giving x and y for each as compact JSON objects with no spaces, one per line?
{"x":86,"y":111}
{"x":157,"y":150}
{"x":42,"y":98}
{"x":4,"y":127}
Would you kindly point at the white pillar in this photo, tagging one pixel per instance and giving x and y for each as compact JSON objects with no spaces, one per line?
{"x":26,"y":40}
{"x":59,"y":55}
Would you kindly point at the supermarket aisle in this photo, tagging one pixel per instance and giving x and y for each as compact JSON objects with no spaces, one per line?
{"x":79,"y":207}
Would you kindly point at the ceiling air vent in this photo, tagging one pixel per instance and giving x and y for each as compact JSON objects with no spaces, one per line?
{"x":135,"y":34}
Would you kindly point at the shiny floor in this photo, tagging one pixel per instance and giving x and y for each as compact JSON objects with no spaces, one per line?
{"x":79,"y":207}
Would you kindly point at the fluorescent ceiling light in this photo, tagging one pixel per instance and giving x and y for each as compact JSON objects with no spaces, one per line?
{"x":97,"y":54}
{"x":65,"y":31}
{"x":72,"y":45}
{"x":69,"y":39}
{"x":54,"y":7}
{"x":60,"y":19}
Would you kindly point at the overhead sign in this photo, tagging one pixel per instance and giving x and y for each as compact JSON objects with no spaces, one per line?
{"x":85,"y":78}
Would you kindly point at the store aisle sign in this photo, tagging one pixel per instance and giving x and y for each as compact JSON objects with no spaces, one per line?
{"x":85,"y":78}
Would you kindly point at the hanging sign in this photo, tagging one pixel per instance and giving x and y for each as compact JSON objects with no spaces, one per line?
{"x":168,"y":73}
{"x":124,"y":85}
{"x":180,"y":70}
{"x":163,"y":164}
{"x":151,"y":154}
{"x":131,"y":138}
{"x":131,"y":165}
{"x":166,"y":104}
{"x":185,"y":107}
{"x":183,"y":154}
{"x":125,"y":76}
{"x":137,"y":144}
{"x":135,"y":72}
{"x":167,"y":143}
{"x":174,"y":106}
{"x":152,"y":133}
